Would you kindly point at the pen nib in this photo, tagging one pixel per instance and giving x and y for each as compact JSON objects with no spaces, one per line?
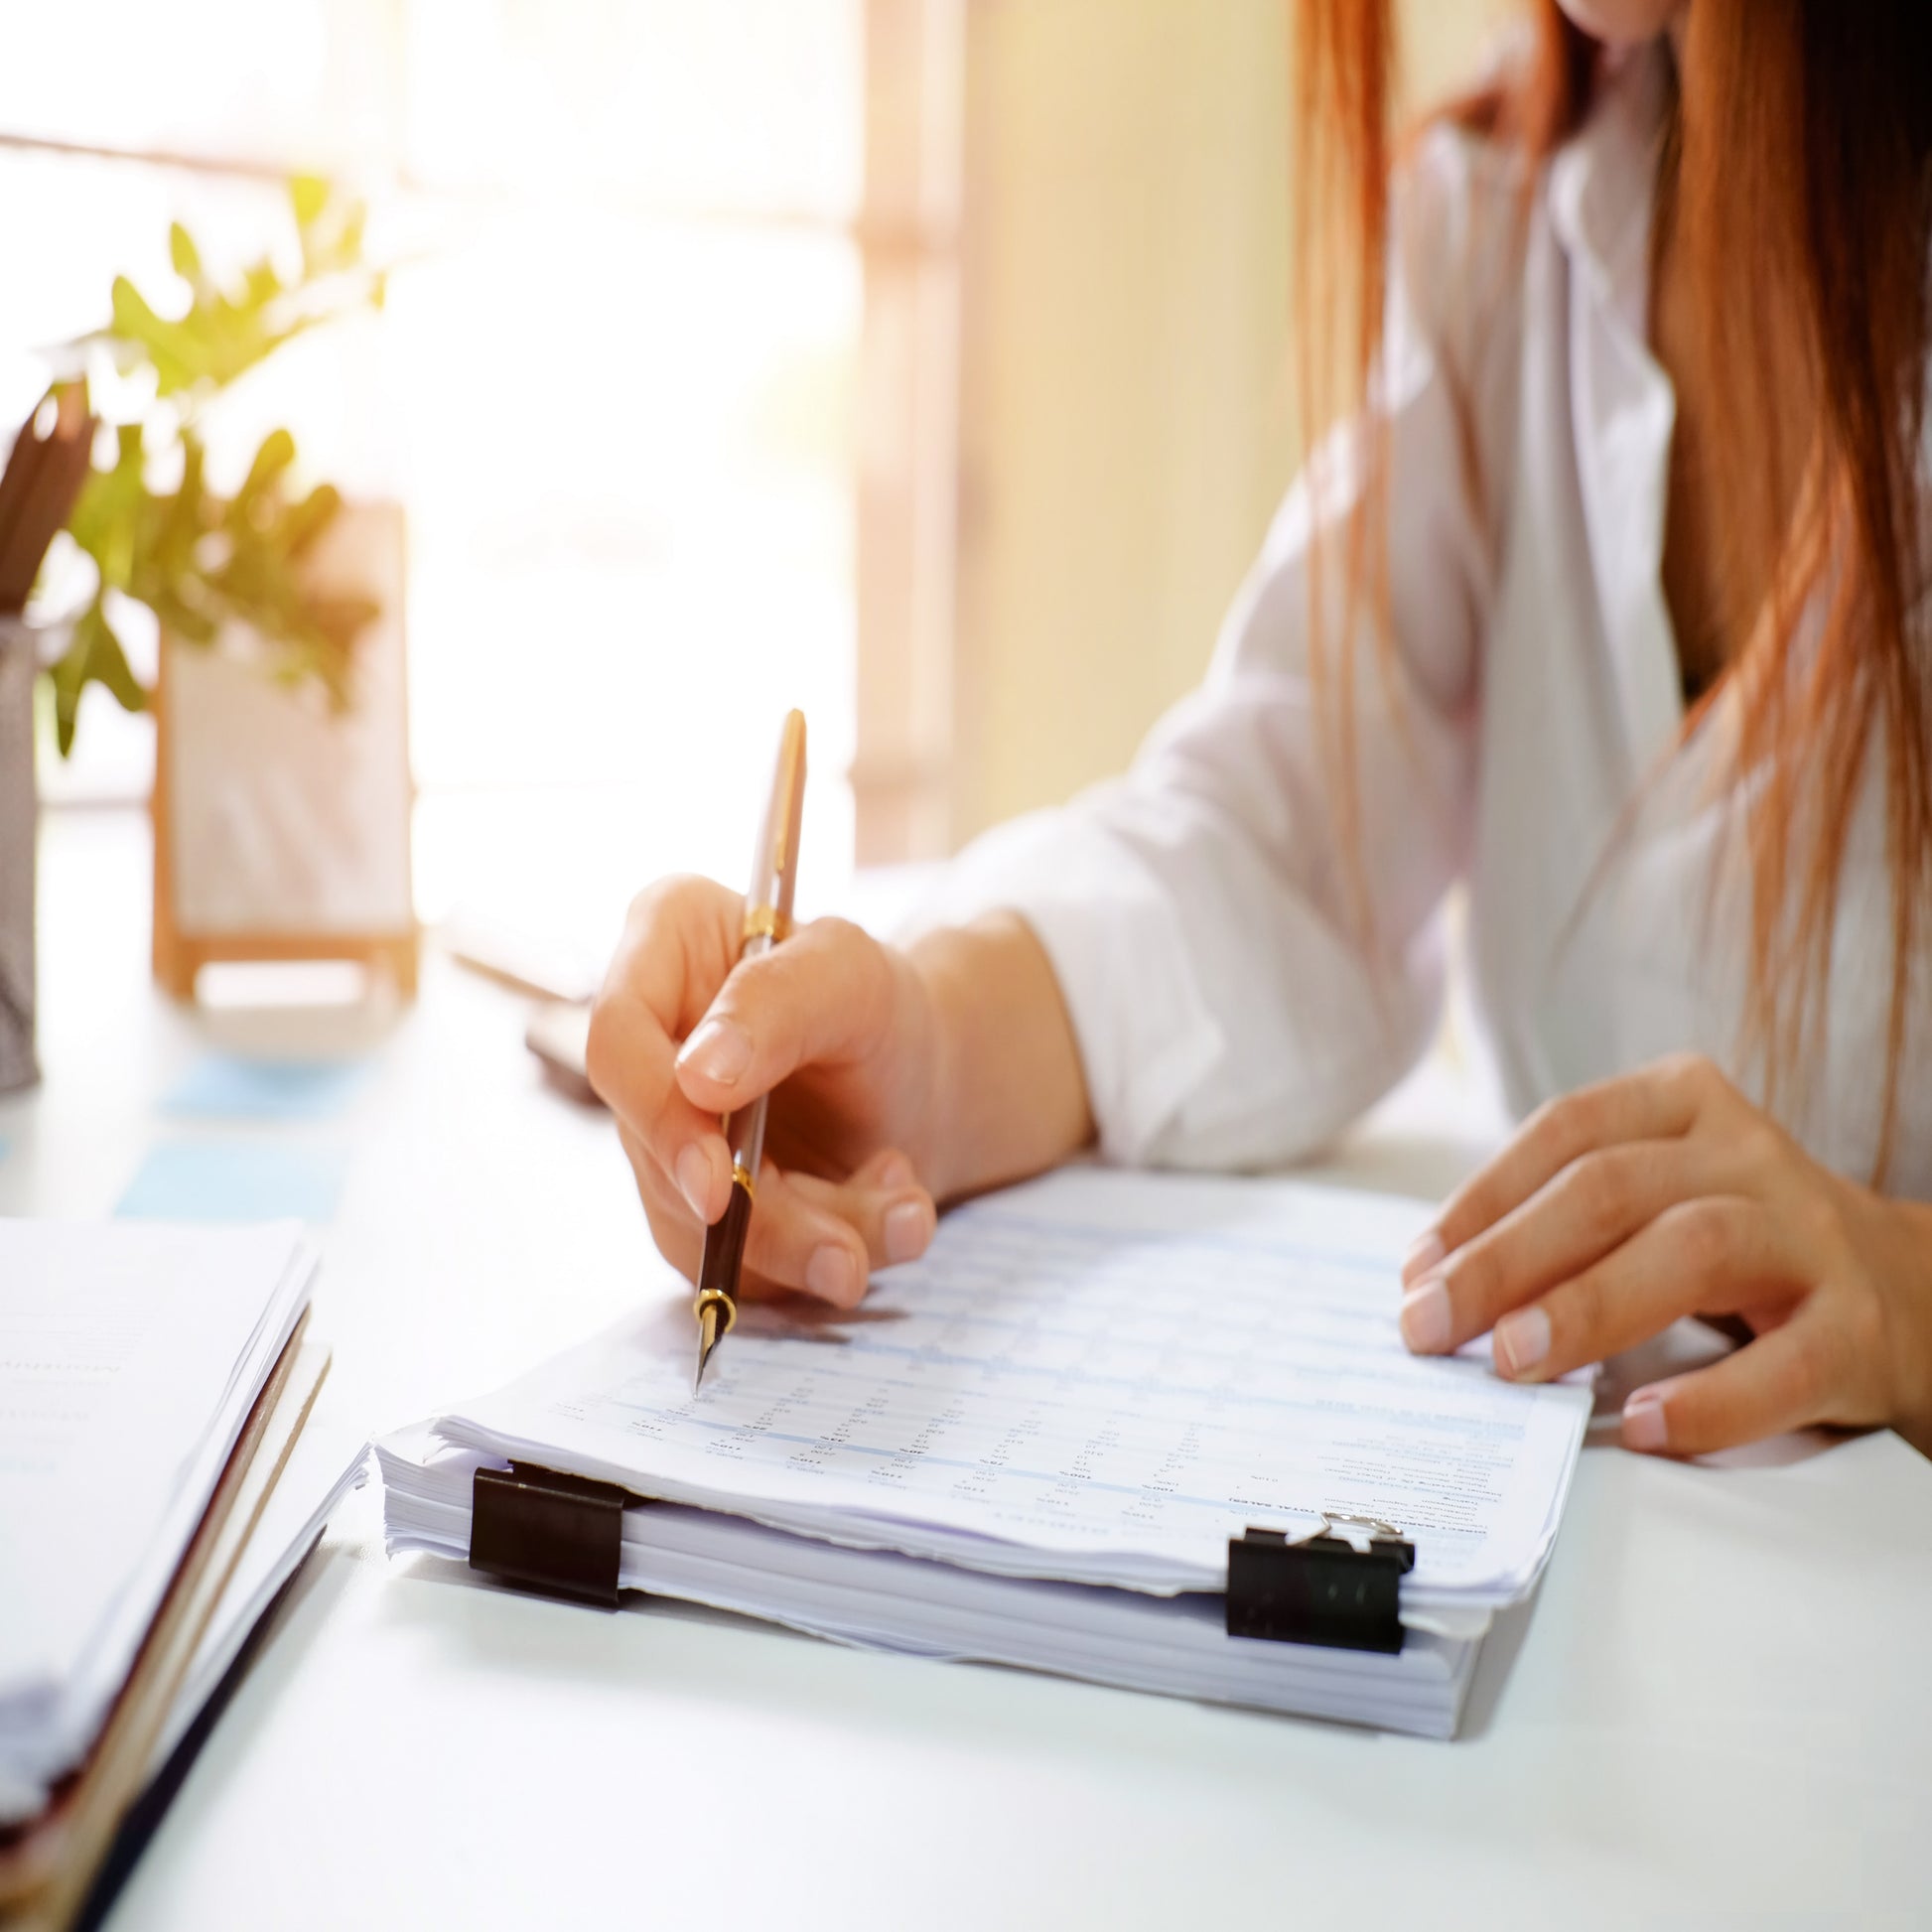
{"x":708,"y":1332}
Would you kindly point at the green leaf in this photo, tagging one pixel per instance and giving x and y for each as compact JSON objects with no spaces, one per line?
{"x":307,"y":520}
{"x":169,"y":347}
{"x":132,"y":316}
{"x":183,"y":622}
{"x":344,"y":249}
{"x":263,"y":285}
{"x":218,"y":339}
{"x":186,"y":258}
{"x":308,"y":197}
{"x":271,"y":460}
{"x":107,"y":519}
{"x":95,"y":656}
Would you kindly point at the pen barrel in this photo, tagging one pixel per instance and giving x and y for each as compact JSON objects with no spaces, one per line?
{"x":745,"y":1129}
{"x":723,"y":1250}
{"x":774,"y":861}
{"x":745,"y":1136}
{"x":767,"y":914}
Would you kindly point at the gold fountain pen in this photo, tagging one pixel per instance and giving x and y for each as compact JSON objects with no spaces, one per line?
{"x":768,"y":921}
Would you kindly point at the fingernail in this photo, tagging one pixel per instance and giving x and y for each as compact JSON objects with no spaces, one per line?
{"x":906,"y":1231}
{"x":721,"y":1049}
{"x":694,"y":1180}
{"x":1644,"y":1427}
{"x":829,"y":1273}
{"x":1426,"y":1316}
{"x":1522,"y":1340}
{"x":896,"y":1172}
{"x":1425,"y":1251}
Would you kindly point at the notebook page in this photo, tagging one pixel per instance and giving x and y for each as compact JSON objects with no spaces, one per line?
{"x":1097,"y":1377}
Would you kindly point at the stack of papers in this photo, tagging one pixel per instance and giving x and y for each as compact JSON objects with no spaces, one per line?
{"x":1034,"y":1445}
{"x":130,"y":1357}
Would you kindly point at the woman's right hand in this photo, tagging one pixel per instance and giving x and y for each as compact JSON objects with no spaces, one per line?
{"x":839,"y":1029}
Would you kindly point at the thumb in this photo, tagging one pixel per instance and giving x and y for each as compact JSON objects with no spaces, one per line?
{"x":823,"y":997}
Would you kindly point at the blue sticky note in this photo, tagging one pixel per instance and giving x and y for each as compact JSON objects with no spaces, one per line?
{"x":234,"y":1180}
{"x":224,"y":1086}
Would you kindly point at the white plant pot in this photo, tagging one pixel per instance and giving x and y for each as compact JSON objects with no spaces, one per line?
{"x":282,"y":830}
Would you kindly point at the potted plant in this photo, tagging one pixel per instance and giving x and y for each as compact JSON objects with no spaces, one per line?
{"x":201,"y":562}
{"x":253,"y":584}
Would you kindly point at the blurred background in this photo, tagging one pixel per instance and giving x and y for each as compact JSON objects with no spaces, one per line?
{"x":920,"y":362}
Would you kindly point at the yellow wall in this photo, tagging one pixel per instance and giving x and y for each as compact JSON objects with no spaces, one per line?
{"x":1126,"y":419}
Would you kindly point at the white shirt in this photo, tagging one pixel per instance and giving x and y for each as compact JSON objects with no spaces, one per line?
{"x":1197,"y":913}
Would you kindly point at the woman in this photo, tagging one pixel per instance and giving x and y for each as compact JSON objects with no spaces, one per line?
{"x":1610,"y":599}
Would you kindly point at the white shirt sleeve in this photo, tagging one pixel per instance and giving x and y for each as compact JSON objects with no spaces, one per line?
{"x":1198,"y":912}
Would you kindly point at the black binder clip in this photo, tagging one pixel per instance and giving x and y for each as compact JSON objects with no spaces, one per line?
{"x":548,"y":1531}
{"x":1319,"y":1589}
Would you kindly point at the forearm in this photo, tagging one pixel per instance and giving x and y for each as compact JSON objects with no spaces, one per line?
{"x":1008,"y":1096}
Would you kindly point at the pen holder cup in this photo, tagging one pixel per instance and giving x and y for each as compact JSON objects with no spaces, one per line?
{"x":19,"y":815}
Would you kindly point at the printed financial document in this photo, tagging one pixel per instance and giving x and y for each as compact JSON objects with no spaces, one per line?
{"x":1097,"y":1377}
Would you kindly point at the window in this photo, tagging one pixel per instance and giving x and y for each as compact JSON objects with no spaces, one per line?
{"x":660,"y":343}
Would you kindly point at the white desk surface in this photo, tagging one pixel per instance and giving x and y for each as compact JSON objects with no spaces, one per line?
{"x":1718,"y":1711}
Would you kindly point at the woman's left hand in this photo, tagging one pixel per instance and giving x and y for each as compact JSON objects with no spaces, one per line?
{"x":1665,"y":1193}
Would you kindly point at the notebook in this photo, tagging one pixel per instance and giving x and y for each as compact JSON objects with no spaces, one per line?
{"x":1034,"y":1445}
{"x":325,"y":1464}
{"x":130,"y":1357}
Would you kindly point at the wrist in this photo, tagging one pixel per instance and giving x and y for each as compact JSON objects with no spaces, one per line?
{"x":924,"y":1065}
{"x":1006,"y":1093}
{"x":939,"y":975}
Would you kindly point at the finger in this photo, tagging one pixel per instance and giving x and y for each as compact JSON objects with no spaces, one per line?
{"x":675,"y":950}
{"x":814,"y":1236}
{"x":826,"y":1237}
{"x":674,"y":1228}
{"x":894,"y":1215}
{"x":1718,"y":1252}
{"x":823,"y":997}
{"x":1657,"y":1102}
{"x":889,"y":1168}
{"x":679,"y":1234}
{"x":680,"y":1240}
{"x":1788,"y":1378}
{"x":1586,"y":1211}
{"x":631,"y":1068}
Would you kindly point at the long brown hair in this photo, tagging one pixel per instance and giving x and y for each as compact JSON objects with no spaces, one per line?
{"x":1798,"y":179}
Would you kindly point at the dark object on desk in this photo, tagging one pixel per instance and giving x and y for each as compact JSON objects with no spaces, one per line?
{"x":1322,"y":1589}
{"x":546,"y":1531}
{"x":44,"y":474}
{"x":19,"y":815}
{"x":50,"y":461}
